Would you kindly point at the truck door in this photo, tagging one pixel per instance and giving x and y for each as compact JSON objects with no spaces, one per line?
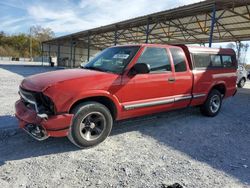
{"x":154,"y":89}
{"x":183,"y":78}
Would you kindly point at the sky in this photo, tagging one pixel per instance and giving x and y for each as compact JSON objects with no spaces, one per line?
{"x":69,"y":16}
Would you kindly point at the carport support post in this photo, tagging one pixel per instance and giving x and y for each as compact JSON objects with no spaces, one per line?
{"x":42,"y":53}
{"x":115,"y":37}
{"x":49,"y":52}
{"x":58,"y":53}
{"x":88,"y":46}
{"x":74,"y":55}
{"x":71,"y":48}
{"x":147,"y":31}
{"x":213,"y":19}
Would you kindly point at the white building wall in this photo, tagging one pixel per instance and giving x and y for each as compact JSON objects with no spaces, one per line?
{"x":81,"y":55}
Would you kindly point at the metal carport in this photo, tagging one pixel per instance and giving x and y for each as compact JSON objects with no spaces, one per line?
{"x":204,"y":22}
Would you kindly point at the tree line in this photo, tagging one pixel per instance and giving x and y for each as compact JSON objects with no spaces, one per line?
{"x":241,"y":50}
{"x":24,"y":45}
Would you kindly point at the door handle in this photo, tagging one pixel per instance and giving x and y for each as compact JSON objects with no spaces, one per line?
{"x":171,"y":79}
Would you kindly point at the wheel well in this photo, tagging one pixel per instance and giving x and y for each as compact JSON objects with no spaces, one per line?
{"x":101,"y":99}
{"x":244,"y":78}
{"x":221,"y":88}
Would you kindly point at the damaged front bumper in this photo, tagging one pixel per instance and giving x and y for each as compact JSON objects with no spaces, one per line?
{"x":41,"y":126}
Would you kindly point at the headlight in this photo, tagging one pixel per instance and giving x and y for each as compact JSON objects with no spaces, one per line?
{"x":46,"y":104}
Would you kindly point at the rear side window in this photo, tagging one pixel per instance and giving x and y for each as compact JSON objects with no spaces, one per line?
{"x":179,"y":59}
{"x":227,"y":61}
{"x":201,"y":60}
{"x":216,"y":61}
{"x":157,"y":58}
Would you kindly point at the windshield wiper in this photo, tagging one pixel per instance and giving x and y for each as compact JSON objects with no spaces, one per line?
{"x":98,"y":69}
{"x":94,"y":68}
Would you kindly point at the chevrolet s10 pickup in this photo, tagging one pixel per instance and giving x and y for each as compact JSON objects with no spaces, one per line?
{"x":124,"y":82}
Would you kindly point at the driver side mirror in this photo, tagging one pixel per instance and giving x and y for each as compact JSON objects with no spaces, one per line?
{"x":140,"y":68}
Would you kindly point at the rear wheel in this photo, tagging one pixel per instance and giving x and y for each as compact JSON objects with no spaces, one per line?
{"x":241,"y":83}
{"x":91,"y":125}
{"x":213,"y":104}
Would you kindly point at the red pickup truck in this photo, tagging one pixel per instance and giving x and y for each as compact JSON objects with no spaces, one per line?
{"x":123,"y":82}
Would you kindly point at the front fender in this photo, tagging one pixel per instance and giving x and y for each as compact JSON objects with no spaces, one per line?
{"x":66,"y":100}
{"x":94,"y":93}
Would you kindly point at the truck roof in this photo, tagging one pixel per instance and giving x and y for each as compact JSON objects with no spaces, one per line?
{"x":191,"y":49}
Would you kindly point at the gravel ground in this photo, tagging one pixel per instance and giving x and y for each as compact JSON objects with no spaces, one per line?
{"x":153,"y":151}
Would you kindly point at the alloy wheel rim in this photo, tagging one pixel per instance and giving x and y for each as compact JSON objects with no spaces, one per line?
{"x":92,"y":126}
{"x":215,"y":103}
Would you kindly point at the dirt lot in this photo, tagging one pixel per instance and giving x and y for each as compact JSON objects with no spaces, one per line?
{"x":152,"y":151}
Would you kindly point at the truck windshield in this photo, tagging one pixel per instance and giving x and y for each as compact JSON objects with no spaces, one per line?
{"x":113,"y":59}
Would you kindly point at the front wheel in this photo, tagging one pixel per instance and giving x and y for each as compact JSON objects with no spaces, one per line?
{"x":91,"y":125}
{"x":212,"y":105}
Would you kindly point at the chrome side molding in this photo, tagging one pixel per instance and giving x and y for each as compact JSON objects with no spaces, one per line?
{"x":176,"y":99}
{"x":199,"y":95}
{"x":162,"y":102}
{"x":147,"y":104}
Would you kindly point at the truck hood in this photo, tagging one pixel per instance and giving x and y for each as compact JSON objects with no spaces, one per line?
{"x":41,"y":82}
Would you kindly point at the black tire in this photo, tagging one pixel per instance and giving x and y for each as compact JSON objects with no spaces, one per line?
{"x":241,"y":83}
{"x":80,"y":133}
{"x":208,"y":108}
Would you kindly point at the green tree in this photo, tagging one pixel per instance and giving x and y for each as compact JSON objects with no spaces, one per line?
{"x":241,"y":50}
{"x":19,"y":45}
{"x":41,"y":34}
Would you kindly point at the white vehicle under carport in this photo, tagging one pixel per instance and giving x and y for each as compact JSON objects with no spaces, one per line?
{"x":241,"y":76}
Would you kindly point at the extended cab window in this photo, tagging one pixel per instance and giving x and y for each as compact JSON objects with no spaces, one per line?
{"x":179,"y":59}
{"x":156,"y":58}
